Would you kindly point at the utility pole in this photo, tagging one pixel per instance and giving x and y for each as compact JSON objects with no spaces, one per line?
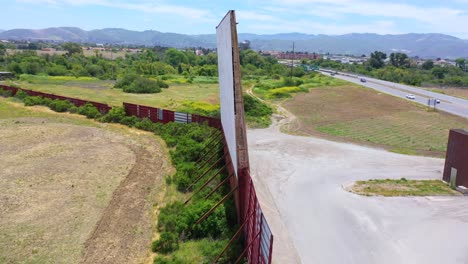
{"x":292,"y":61}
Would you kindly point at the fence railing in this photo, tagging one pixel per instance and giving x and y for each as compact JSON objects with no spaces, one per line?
{"x":102,"y":108}
{"x":165,"y":116}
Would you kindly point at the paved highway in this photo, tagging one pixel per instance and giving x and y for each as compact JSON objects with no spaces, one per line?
{"x":450,"y":104}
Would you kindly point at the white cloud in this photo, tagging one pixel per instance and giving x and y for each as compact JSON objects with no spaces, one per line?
{"x":306,"y":26}
{"x":156,"y":7}
{"x":444,"y":18}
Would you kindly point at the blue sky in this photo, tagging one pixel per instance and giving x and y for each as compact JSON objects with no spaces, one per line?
{"x":254,"y":16}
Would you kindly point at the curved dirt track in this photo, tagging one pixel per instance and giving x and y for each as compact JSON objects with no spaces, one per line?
{"x":300,"y":184}
{"x":123,"y":235}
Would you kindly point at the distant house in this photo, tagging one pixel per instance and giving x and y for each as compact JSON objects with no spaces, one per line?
{"x":290,"y":55}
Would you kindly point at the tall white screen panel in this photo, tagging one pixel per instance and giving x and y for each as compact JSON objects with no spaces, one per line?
{"x":226,"y":83}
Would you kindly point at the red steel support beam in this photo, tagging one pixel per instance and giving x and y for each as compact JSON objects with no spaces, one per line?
{"x":247,"y":247}
{"x":232,"y":239}
{"x":206,"y":146}
{"x":204,"y":173}
{"x":199,"y":221}
{"x":205,"y":184}
{"x":218,"y":186}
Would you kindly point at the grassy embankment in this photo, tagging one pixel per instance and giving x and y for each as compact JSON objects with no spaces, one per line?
{"x":402,"y":187}
{"x":456,"y":92}
{"x":341,"y":111}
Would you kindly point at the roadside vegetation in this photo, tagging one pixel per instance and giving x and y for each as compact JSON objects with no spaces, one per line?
{"x":402,"y":187}
{"x":401,"y":69}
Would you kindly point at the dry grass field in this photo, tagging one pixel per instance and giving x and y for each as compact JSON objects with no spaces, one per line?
{"x":364,"y":116}
{"x":72,"y":190}
{"x":457,"y":92}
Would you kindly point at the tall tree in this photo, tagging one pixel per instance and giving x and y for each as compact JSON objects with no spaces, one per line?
{"x":72,"y":48}
{"x":427,"y":65}
{"x":439,"y":72}
{"x":461,"y":63}
{"x":399,"y":60}
{"x":377,"y":59}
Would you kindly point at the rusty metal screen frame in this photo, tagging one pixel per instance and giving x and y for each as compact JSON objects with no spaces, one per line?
{"x":258,"y":242}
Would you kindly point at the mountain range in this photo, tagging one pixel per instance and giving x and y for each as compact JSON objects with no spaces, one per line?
{"x":429,"y":45}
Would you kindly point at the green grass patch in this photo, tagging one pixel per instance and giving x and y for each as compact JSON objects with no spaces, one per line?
{"x":283,"y":92}
{"x":44,"y":79}
{"x":257,"y":113}
{"x":404,"y":132}
{"x":103,"y":92}
{"x":196,"y":251}
{"x":200,"y":108}
{"x":402,"y":187}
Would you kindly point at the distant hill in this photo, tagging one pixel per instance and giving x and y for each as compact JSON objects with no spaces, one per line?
{"x":423,"y":45}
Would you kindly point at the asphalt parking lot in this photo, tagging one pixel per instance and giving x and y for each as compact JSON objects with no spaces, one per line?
{"x":300,"y":184}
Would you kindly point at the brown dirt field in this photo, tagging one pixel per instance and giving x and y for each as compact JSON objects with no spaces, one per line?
{"x":345,"y":104}
{"x":72,"y":193}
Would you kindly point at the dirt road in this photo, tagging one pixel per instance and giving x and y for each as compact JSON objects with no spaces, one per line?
{"x":123,"y":234}
{"x":303,"y":178}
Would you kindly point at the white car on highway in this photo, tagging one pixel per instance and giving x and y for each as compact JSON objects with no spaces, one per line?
{"x":410,"y":96}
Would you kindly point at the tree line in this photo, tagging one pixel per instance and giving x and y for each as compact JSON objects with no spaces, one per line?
{"x":150,"y":62}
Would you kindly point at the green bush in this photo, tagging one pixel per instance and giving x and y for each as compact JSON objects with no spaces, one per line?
{"x":126,"y":80}
{"x":143,"y":85}
{"x":130,"y":121}
{"x":258,"y":114}
{"x":162,"y":84}
{"x":21,"y":95}
{"x":34,"y":100}
{"x":167,"y":243}
{"x":60,"y":105}
{"x":132,"y":83}
{"x":89,"y":110}
{"x":115,"y":115}
{"x":5,"y":93}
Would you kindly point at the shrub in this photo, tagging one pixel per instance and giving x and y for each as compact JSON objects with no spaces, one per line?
{"x":33,"y":100}
{"x":60,"y":105}
{"x":126,"y":80}
{"x":130,"y":121}
{"x":167,"y":243}
{"x":89,"y":111}
{"x":162,"y":84}
{"x":143,"y":85}
{"x":21,"y":95}
{"x":115,"y":115}
{"x":57,"y":70}
{"x":145,"y":124}
{"x":5,"y":93}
